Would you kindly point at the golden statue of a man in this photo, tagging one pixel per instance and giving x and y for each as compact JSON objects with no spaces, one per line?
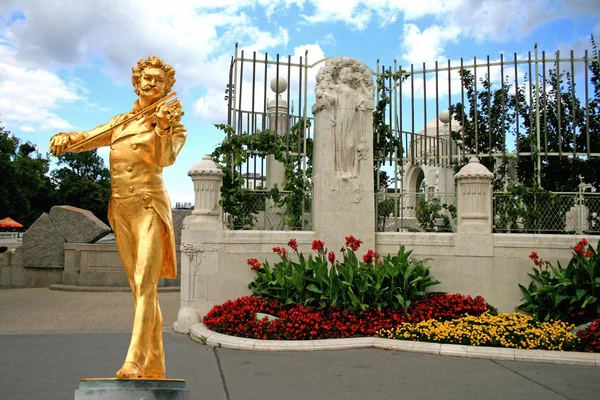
{"x":139,"y":210}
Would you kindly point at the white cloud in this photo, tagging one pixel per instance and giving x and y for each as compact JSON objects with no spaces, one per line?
{"x":213,"y":106}
{"x":27,"y":128}
{"x":196,"y":37}
{"x":31,"y":97}
{"x":426,"y":45}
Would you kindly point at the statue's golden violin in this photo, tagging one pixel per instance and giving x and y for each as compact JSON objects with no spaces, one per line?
{"x":133,"y":117}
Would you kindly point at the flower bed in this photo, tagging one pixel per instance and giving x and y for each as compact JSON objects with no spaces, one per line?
{"x":296,"y":322}
{"x":329,"y":296}
{"x":504,"y":330}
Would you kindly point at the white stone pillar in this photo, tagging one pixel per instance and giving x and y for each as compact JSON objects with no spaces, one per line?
{"x":207,"y":216}
{"x":474,"y":198}
{"x":208,"y":179}
{"x":344,"y":199}
{"x":279,"y":120}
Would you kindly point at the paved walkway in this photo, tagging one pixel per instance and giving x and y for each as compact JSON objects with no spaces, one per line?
{"x":50,"y":339}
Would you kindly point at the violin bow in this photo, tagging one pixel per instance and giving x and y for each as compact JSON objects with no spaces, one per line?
{"x":133,"y":117}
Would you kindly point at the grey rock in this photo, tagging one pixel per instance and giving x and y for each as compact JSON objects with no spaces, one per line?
{"x":42,"y":245}
{"x":77,"y":225}
{"x":178,"y":217}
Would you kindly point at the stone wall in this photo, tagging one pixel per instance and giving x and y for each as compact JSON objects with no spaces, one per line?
{"x":99,"y":265}
{"x":214,"y":267}
{"x":472,"y":261}
{"x":80,"y":264}
{"x":488,"y":265}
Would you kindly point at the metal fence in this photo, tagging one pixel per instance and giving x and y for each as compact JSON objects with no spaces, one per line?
{"x":547,"y":212}
{"x":525,"y":107}
{"x":264,"y":212}
{"x":284,"y":110}
{"x":416,"y":212}
{"x":421,"y":93}
{"x":513,"y":113}
{"x":248,"y":101}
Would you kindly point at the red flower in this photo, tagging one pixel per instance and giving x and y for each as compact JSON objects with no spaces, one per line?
{"x":370,"y":257}
{"x":580,"y":248}
{"x":589,"y":254}
{"x":293,"y":244}
{"x":534,"y":256}
{"x":353,"y":243}
{"x":281,"y":251}
{"x":318,"y":245}
{"x":254,"y":264}
{"x":331,"y":256}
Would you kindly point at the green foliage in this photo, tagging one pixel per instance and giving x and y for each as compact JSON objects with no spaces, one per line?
{"x":83,"y":182}
{"x":25,"y":190}
{"x":499,"y":111}
{"x":568,"y":294}
{"x":392,"y":282}
{"x":485,"y":127}
{"x":530,"y":209}
{"x":430,"y":212}
{"x":385,"y":142}
{"x":241,"y":203}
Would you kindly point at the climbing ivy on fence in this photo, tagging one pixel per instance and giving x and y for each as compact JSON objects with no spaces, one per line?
{"x":242,"y":203}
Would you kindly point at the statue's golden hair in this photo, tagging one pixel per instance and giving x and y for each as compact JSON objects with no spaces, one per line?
{"x":152,"y":62}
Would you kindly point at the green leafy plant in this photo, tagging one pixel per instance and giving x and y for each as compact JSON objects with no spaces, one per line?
{"x":385,"y":142}
{"x":241,"y":203}
{"x":430,"y":212}
{"x":322,"y":281}
{"x":569,"y":294}
{"x":527,"y":209}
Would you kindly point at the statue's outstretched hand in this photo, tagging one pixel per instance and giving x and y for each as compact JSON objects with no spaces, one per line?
{"x":169,"y":112}
{"x":59,"y":143}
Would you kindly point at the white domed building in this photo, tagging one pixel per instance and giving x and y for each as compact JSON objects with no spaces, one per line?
{"x":428,"y":166}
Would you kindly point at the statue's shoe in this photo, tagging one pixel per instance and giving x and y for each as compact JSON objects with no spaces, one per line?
{"x":130,"y":370}
{"x":152,"y":374}
{"x":155,"y":366}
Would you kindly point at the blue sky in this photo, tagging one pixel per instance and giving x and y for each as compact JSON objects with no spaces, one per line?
{"x":67,"y":66}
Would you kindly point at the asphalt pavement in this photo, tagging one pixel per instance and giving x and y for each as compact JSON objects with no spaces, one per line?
{"x":49,"y":340}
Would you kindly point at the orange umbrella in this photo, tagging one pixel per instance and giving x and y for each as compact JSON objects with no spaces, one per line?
{"x":9,"y":223}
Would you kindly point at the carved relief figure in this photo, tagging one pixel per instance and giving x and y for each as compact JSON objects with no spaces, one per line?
{"x":344,"y":87}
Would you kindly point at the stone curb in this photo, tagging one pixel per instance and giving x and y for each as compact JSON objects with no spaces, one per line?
{"x":201,"y":334}
{"x":112,"y":289}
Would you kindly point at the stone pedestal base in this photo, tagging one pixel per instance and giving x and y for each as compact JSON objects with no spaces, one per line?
{"x":131,"y":389}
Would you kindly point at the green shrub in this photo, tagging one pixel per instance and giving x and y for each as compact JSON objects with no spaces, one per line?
{"x":567,"y":294}
{"x":322,"y":281}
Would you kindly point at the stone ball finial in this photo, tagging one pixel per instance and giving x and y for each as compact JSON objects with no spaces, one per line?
{"x":206,"y":166}
{"x":278,"y":85}
{"x":474,"y":169}
{"x":445,"y":116}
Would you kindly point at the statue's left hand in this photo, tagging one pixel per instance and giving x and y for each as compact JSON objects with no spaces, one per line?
{"x":59,"y":143}
{"x":167,"y":113}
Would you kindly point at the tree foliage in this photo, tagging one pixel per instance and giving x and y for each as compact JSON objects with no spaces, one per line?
{"x":491,"y":115}
{"x":25,"y":188}
{"x":28,"y":188}
{"x":83,"y":182}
